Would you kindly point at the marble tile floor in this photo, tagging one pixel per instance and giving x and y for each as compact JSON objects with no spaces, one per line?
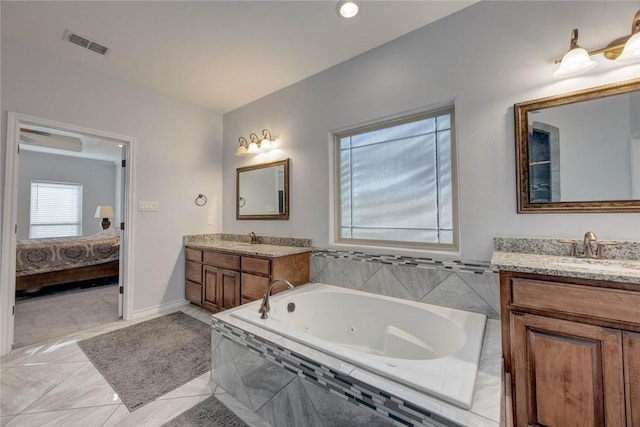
{"x":62,"y":311}
{"x":52,"y":383}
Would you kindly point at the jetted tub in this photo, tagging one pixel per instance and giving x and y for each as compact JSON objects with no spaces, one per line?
{"x":430,"y":348}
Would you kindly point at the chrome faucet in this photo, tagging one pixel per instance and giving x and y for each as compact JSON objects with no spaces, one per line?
{"x":264,"y":307}
{"x":589,"y":237}
{"x":254,"y":238}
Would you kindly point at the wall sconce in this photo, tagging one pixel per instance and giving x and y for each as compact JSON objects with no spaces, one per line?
{"x":622,"y":50}
{"x":257,"y":144}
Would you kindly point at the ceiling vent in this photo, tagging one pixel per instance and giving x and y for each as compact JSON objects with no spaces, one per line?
{"x":85,"y":43}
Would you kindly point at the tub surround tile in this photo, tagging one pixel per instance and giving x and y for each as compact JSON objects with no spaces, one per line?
{"x":317,"y":264}
{"x":358,"y":272}
{"x":246,"y":414}
{"x":336,"y":410}
{"x":487,"y":286}
{"x":479,"y":267}
{"x":360,"y":387}
{"x":332,"y":274}
{"x":383,"y":282}
{"x":225,"y":373}
{"x":418,"y":281}
{"x":455,"y":293}
{"x":415,"y":279}
{"x":5,"y":420}
{"x":86,"y":417}
{"x":488,"y":380}
{"x":290,"y":406}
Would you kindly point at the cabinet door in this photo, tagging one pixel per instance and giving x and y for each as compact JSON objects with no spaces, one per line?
{"x":230,"y":288}
{"x":631,"y":344}
{"x":566,"y":373}
{"x":211,"y":298}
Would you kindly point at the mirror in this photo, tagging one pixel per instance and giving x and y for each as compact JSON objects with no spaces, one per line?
{"x":262,"y":191}
{"x":580,"y":151}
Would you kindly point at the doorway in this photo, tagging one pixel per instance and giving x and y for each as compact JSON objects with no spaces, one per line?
{"x":31,"y":137}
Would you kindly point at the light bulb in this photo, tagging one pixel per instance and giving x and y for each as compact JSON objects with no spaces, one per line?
{"x":574,"y":62}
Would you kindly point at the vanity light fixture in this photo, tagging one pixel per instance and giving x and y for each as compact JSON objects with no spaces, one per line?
{"x":347,"y":9}
{"x":256,"y":144}
{"x":623,"y":50}
{"x":242,"y":146}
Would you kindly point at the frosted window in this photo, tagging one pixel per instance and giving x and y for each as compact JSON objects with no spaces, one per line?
{"x":395,"y":181}
{"x":56,"y":209}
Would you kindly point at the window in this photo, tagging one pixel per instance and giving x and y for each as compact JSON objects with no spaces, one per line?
{"x":56,"y":209}
{"x":395,"y":183}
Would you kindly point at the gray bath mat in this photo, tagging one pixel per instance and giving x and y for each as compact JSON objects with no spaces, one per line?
{"x":149,"y":359}
{"x":208,"y":413}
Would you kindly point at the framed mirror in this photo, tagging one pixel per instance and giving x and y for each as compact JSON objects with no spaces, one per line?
{"x":580,"y":151}
{"x":262,"y":191}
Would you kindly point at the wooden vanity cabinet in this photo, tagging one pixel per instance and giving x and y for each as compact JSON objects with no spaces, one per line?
{"x":572,"y":349}
{"x":217,"y":280}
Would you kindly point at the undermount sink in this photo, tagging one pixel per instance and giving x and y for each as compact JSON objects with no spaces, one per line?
{"x":596,"y":266}
{"x":239,"y":245}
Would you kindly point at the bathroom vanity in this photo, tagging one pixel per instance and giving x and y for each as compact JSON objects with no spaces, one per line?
{"x":570,"y":336}
{"x":222,"y":273}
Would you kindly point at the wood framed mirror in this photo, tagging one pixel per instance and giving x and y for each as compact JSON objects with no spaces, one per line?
{"x":580,"y":151}
{"x":262,"y":191}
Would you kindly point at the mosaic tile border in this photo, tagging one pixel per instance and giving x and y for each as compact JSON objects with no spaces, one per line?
{"x":366,"y":396}
{"x":477,"y":267}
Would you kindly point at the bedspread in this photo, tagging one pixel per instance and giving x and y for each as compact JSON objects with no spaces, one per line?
{"x":35,"y":256}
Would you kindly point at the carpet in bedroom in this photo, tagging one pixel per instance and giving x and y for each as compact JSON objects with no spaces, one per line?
{"x":66,"y":310}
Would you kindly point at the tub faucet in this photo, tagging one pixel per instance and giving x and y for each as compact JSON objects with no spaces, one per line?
{"x":589,"y":237}
{"x":254,"y":238}
{"x":264,"y":307}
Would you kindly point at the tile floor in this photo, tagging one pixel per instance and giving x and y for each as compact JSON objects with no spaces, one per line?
{"x":54,"y":384}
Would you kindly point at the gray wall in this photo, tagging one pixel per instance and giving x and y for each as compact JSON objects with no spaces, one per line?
{"x":98,"y":179}
{"x":484,"y":58}
{"x":177,"y":152}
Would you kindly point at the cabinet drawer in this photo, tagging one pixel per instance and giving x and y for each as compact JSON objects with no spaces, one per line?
{"x":256,"y":265}
{"x":218,"y":259}
{"x":191,"y":254}
{"x":193,"y":271}
{"x":193,"y":292}
{"x":607,"y":304}
{"x":253,"y":287}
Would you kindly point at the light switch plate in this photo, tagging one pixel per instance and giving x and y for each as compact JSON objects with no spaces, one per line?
{"x":147,"y":206}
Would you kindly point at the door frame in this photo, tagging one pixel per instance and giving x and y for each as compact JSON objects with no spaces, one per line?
{"x":10,"y":214}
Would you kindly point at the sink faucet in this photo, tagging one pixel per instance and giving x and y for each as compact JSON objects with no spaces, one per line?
{"x":589,"y":237}
{"x":254,"y":238}
{"x":264,"y":307}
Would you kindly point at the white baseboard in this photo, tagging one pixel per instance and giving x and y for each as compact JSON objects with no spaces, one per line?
{"x":161,"y":308}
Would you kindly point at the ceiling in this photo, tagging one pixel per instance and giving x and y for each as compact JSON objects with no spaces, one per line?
{"x":216,"y":54}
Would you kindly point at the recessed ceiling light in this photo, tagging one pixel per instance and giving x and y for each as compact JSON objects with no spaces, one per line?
{"x":347,"y":8}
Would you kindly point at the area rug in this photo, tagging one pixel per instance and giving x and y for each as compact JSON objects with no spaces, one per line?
{"x":149,"y":359}
{"x":210,"y":413}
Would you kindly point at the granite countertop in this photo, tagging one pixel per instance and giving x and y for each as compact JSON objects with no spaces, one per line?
{"x":270,"y":247}
{"x":515,"y":254}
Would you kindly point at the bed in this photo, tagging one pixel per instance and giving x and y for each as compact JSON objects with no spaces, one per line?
{"x":53,"y":261}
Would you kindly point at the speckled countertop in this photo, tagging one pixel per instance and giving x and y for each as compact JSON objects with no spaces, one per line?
{"x":268,"y":246}
{"x":546,"y":256}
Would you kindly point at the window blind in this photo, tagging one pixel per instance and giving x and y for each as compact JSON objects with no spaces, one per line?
{"x":56,"y":209}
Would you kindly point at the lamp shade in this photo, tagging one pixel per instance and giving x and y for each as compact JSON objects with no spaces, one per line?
{"x":574,"y":62}
{"x":104,"y":212}
{"x":631,"y":51}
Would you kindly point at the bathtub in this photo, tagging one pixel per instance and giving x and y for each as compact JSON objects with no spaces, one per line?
{"x":432,"y":349}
